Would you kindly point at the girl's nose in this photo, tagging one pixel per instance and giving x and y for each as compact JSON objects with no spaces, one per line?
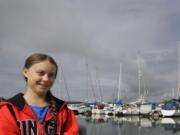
{"x":46,"y":77}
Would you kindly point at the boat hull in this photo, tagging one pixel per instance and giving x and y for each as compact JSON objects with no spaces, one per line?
{"x":170,"y":113}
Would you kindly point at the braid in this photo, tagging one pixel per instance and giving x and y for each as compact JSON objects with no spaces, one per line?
{"x":53,"y":110}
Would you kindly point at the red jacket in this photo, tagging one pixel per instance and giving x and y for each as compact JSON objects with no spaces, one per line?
{"x":25,"y":122}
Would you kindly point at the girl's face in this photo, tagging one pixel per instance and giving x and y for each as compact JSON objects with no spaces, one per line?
{"x":40,"y":77}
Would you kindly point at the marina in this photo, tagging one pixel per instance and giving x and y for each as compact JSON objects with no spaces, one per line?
{"x":169,"y":108}
{"x":142,"y":118}
{"x":141,"y":107}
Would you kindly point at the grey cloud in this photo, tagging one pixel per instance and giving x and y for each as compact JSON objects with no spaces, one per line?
{"x":102,"y":32}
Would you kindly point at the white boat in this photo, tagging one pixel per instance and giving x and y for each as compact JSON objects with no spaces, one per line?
{"x":145,"y":109}
{"x":75,"y":107}
{"x":98,"y":109}
{"x":84,"y":109}
{"x":130,"y":109}
{"x":170,"y":113}
{"x":139,"y":106}
{"x":109,"y":111}
{"x":171,"y":108}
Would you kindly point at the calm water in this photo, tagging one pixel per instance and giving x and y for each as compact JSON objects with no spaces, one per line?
{"x":103,"y":125}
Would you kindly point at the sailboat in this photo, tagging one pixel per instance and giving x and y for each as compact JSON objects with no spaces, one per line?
{"x":130,"y":109}
{"x":172,"y":107}
{"x":136,"y":107}
{"x":118,"y":104}
{"x":145,"y":108}
{"x":98,"y":108}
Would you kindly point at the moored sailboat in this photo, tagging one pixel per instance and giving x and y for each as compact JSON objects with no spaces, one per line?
{"x":171,"y":108}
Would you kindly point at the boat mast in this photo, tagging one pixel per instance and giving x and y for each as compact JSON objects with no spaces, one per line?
{"x":143,"y":91}
{"x":139,"y":77}
{"x":92,"y":87}
{"x":178,"y":89}
{"x":87,"y":81}
{"x":120,"y":81}
{"x":65,"y":83}
{"x":98,"y":84}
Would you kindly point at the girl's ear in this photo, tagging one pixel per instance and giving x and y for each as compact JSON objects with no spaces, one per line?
{"x":24,"y":72}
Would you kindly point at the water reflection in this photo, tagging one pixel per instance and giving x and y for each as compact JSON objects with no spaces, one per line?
{"x":171,"y":124}
{"x":105,"y":125}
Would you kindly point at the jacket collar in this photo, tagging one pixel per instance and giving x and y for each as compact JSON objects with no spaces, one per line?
{"x":20,"y":102}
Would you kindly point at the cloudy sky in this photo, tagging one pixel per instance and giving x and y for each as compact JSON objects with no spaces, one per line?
{"x":89,"y":39}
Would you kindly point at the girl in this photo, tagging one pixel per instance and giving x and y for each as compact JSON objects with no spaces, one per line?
{"x":37,"y":111}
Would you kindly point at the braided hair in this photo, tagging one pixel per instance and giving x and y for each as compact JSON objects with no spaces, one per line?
{"x":53,"y":110}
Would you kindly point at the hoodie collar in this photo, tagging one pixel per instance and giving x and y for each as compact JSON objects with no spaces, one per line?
{"x":20,"y":102}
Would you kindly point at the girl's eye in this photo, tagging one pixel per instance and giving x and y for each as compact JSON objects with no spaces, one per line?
{"x":52,"y":75}
{"x":40,"y":73}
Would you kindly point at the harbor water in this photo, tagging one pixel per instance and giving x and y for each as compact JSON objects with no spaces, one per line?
{"x":129,"y":125}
